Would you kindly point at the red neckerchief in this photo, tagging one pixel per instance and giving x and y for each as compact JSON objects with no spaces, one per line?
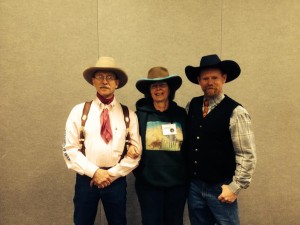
{"x":105,"y":101}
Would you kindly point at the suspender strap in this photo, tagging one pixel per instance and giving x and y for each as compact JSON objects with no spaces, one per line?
{"x":127,"y":122}
{"x":126,"y":116}
{"x":85,"y":112}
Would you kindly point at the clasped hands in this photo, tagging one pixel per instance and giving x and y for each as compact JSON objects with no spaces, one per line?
{"x":102,"y":178}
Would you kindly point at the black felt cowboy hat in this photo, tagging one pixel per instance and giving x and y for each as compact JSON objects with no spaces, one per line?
{"x":158,"y":74}
{"x":229,"y":67}
{"x":105,"y":63}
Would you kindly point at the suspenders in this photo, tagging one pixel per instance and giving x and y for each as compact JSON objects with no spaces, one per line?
{"x":85,"y":112}
{"x":84,"y":117}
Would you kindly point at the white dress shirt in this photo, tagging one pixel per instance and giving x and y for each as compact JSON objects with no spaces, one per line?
{"x":98,"y":153}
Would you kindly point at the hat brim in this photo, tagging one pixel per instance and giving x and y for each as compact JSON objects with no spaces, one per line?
{"x":121,"y":75}
{"x":229,"y":67}
{"x":143,"y":84}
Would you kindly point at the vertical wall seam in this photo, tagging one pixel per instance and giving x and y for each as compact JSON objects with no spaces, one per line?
{"x":221,"y":44}
{"x":98,"y":41}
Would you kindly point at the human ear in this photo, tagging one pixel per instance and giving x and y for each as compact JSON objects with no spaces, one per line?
{"x":224,"y":77}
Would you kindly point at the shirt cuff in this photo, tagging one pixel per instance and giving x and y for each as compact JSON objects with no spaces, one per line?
{"x":114,"y":172}
{"x":90,"y":170}
{"x":235,"y":188}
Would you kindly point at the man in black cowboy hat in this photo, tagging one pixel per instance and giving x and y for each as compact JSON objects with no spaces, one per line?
{"x":221,"y":145}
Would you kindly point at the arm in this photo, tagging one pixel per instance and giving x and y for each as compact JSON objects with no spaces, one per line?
{"x":133,"y":152}
{"x":74,"y":159}
{"x":128,"y":163}
{"x":244,"y":145}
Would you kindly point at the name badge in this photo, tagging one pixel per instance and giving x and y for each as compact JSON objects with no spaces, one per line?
{"x":169,"y":129}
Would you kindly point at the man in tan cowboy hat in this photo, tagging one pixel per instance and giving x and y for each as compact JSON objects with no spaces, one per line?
{"x":100,"y":165}
{"x":220,"y":143}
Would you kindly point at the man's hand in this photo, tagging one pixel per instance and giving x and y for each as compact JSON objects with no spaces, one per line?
{"x":101,"y":178}
{"x":227,"y":195}
{"x":132,"y":152}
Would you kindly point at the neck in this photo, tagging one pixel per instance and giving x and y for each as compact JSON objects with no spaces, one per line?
{"x":213,"y":97}
{"x":161,"y":106}
{"x":104,"y":100}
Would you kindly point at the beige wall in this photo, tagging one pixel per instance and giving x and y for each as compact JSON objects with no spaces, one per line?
{"x":45,"y":46}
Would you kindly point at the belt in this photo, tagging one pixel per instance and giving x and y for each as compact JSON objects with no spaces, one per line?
{"x":105,"y":168}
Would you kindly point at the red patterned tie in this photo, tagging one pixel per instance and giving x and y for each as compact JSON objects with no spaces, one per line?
{"x":105,"y":132}
{"x":205,"y":109}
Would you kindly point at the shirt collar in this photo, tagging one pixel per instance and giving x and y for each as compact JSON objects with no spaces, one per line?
{"x":213,"y":102}
{"x":103,"y":106}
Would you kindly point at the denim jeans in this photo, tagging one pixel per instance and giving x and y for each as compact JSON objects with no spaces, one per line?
{"x":161,"y":206}
{"x":206,"y":209}
{"x":86,"y":200}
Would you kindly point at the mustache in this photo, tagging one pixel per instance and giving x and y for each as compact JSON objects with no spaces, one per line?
{"x":105,"y":86}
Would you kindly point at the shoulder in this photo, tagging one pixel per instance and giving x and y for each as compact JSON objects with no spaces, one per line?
{"x":176,"y":107}
{"x":77,"y":108}
{"x":76,"y":113}
{"x":196,"y":100}
{"x":240,"y":114}
{"x":180,"y":110}
{"x":124,"y":109}
{"x":231,"y":101}
{"x":240,"y":110}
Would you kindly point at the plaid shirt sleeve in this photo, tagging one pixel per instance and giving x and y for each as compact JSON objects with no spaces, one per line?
{"x":244,"y":145}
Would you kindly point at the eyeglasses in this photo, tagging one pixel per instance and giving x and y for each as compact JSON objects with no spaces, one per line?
{"x":158,"y":85}
{"x":102,"y":77}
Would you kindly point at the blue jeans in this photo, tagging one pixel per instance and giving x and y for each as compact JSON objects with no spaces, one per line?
{"x":86,"y":200}
{"x":206,"y":209}
{"x":161,"y":206}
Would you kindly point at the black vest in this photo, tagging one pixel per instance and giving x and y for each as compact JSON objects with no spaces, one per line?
{"x":211,"y":153}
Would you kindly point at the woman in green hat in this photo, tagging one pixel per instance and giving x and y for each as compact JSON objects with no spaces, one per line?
{"x":161,"y":177}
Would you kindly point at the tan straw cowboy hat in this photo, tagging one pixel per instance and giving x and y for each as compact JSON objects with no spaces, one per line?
{"x":105,"y":63}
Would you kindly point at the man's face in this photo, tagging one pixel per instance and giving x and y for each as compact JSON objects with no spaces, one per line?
{"x":211,"y":82}
{"x":105,"y":83}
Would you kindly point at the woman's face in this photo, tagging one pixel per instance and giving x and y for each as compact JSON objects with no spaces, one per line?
{"x":159,"y":91}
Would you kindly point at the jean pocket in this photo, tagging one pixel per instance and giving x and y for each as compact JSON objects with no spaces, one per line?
{"x":218,"y":189}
